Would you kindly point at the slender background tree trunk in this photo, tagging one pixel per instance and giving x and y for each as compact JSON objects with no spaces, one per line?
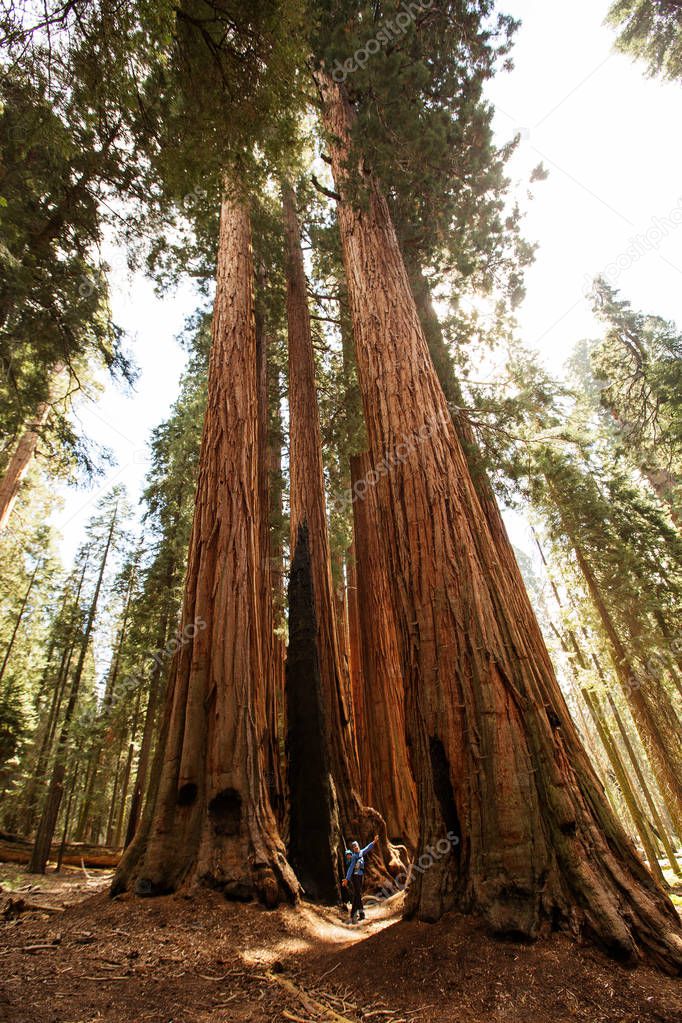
{"x":48,"y":820}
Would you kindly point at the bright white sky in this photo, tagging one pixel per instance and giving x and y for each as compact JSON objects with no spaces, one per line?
{"x":611,"y":141}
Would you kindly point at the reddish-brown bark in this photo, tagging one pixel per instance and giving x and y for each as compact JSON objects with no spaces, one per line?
{"x":273,"y":664}
{"x":22,"y":456}
{"x":19,"y":464}
{"x":392,"y":788}
{"x":503,"y":782}
{"x":336,"y":811}
{"x":211,"y":819}
{"x":307,"y":498}
{"x":357,"y":687}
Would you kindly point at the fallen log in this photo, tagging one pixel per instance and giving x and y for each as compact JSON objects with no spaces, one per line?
{"x":15,"y":907}
{"x":14,"y":849}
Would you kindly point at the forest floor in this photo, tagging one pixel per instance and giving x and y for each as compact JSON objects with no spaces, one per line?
{"x":82,"y":957}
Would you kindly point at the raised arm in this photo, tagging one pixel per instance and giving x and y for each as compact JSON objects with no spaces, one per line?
{"x":370,"y":846}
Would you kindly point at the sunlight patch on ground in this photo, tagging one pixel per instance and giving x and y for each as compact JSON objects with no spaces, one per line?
{"x":324,"y":923}
{"x":261,"y":956}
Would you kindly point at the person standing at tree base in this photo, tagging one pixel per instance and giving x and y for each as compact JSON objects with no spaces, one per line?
{"x":355,"y":875}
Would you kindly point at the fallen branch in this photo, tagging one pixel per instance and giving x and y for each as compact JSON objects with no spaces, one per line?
{"x":327,"y":972}
{"x":220,"y":1005}
{"x":309,"y":1004}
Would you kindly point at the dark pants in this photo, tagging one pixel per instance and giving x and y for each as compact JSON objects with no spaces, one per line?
{"x":356,"y":892}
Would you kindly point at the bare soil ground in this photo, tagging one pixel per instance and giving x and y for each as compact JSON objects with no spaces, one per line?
{"x":204,"y":960}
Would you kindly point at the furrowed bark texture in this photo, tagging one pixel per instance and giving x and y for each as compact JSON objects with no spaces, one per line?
{"x":272,"y":661}
{"x":349,"y":818}
{"x":211,"y":819}
{"x":498,"y":762}
{"x":360,"y":733}
{"x":392,"y":789}
{"x":445,"y":370}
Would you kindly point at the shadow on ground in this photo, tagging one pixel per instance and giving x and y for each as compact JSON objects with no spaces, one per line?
{"x":200,"y":959}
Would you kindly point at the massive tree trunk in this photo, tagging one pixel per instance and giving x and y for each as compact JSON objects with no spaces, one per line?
{"x":327,"y":808}
{"x":513,"y":820}
{"x":273,"y":664}
{"x":55,"y":792}
{"x":445,"y":370}
{"x":211,"y":820}
{"x":357,"y":683}
{"x":393,"y":790}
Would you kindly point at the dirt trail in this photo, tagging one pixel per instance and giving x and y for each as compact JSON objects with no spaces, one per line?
{"x":204,"y":960}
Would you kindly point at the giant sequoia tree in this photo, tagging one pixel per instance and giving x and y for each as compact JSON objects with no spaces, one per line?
{"x":498,"y":763}
{"x":208,"y":815}
{"x":318,"y":718}
{"x":325,"y":801}
{"x":211,"y":817}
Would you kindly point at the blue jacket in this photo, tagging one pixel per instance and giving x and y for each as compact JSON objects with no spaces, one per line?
{"x":358,"y":859}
